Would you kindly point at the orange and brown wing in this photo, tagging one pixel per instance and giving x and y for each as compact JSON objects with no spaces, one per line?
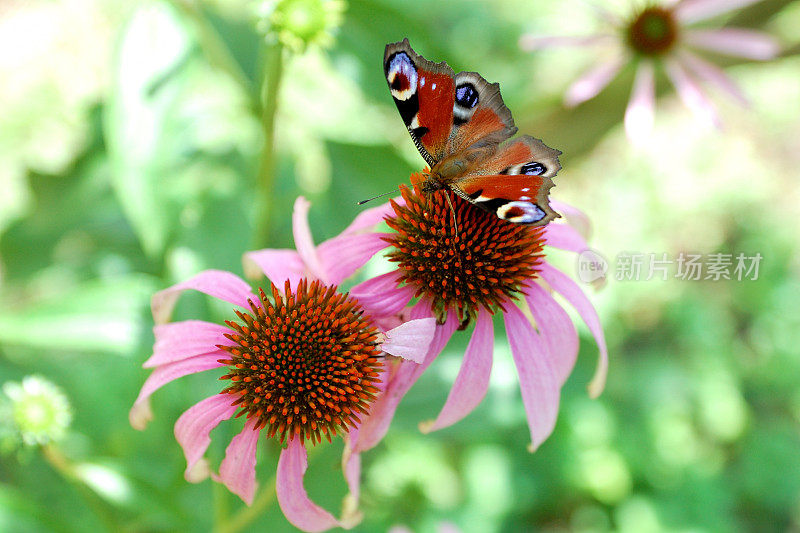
{"x":514,"y":184}
{"x":424,"y":93}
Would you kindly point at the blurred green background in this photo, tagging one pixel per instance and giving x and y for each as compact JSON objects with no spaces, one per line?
{"x":130,"y":142}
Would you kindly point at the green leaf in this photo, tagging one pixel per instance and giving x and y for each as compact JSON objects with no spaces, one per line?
{"x":100,"y":315}
{"x":153,"y":48}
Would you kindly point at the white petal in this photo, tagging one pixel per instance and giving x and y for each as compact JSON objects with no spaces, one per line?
{"x":592,"y":82}
{"x":536,"y":42}
{"x":689,"y":11}
{"x":690,"y":92}
{"x":713,"y":75}
{"x":735,"y":42}
{"x":640,"y":112}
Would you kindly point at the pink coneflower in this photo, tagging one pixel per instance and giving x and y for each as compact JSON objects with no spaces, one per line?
{"x":485,"y":266}
{"x":658,"y":34}
{"x":303,"y":363}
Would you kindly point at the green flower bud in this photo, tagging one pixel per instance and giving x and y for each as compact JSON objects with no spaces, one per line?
{"x":298,"y":24}
{"x":38,"y":409}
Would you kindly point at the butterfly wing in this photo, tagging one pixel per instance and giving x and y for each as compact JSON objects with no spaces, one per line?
{"x":445,"y":112}
{"x":424,"y":93}
{"x":480,"y":117}
{"x":515,"y":182}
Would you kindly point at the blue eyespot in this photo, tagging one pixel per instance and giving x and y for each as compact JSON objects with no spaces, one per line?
{"x":466,"y":95}
{"x":533,"y":169}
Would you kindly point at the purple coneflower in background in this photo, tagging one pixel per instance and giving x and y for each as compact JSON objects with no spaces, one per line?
{"x":467,"y":273}
{"x":659,"y":34}
{"x":302,"y":364}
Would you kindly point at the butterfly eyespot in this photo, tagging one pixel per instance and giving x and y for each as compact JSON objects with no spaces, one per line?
{"x":533,"y":169}
{"x":521,"y":212}
{"x":466,"y":95}
{"x":402,"y":76}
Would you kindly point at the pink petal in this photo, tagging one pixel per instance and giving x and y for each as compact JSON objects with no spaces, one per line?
{"x":696,"y":10}
{"x":640,"y":113}
{"x":537,"y":380}
{"x":690,"y":92}
{"x":381,"y":296}
{"x":472,"y":381}
{"x":303,"y":241}
{"x":382,"y":411}
{"x":369,"y":218}
{"x":238,"y":469}
{"x":292,"y":496}
{"x":216,"y":283}
{"x":564,"y":237}
{"x":713,"y":75}
{"x":199,"y":472}
{"x":556,"y":330}
{"x":530,"y":42}
{"x":574,"y":217}
{"x":592,"y":82}
{"x":562,"y":284}
{"x":194,"y":426}
{"x":351,"y":466}
{"x":341,"y":256}
{"x":140,"y":413}
{"x":411,"y":339}
{"x":181,"y":340}
{"x":277,"y":265}
{"x":735,"y":42}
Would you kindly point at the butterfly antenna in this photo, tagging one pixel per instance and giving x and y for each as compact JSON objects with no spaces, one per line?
{"x":362,"y":202}
{"x":452,"y":210}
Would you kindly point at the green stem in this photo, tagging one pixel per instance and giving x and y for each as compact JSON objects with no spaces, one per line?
{"x":66,"y":469}
{"x":221,"y":505}
{"x":247,"y":515}
{"x":270,"y":88}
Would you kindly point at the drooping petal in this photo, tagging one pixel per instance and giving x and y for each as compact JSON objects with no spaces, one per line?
{"x":562,"y":284}
{"x":181,"y":340}
{"x":381,"y":296}
{"x":341,"y":256}
{"x":351,"y":464}
{"x":410,"y":340}
{"x":292,"y":495}
{"x":199,"y":472}
{"x":369,"y":218}
{"x":140,"y":413}
{"x":556,"y":330}
{"x":238,"y":469}
{"x":593,"y":81}
{"x":689,"y":11}
{"x":216,"y":283}
{"x":277,"y":265}
{"x":713,"y":75}
{"x":564,"y":237}
{"x":690,"y":92}
{"x":736,"y":42}
{"x":303,"y":240}
{"x":472,"y":381}
{"x":194,"y":426}
{"x":530,"y":42}
{"x":400,"y":381}
{"x":640,"y":113}
{"x":351,"y":467}
{"x":537,"y":380}
{"x":574,"y":217}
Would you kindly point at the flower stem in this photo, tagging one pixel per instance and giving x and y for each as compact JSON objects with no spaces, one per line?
{"x":247,"y":515}
{"x":270,"y":88}
{"x":66,"y":469}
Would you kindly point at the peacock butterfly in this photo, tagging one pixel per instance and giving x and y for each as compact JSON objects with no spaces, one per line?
{"x":462,"y":128}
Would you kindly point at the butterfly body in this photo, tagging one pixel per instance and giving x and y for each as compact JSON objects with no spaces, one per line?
{"x":463,"y":130}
